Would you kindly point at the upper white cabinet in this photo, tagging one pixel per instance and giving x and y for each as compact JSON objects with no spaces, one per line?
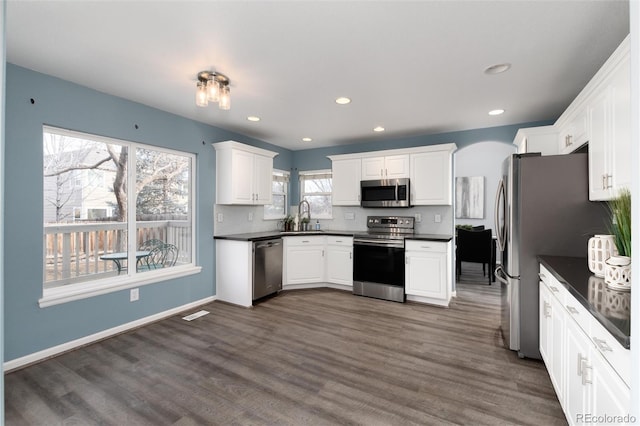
{"x":243,"y":173}
{"x":346,"y":176}
{"x":428,"y":167}
{"x":601,"y":116}
{"x":543,"y":139}
{"x":431,"y":178}
{"x":574,"y":132}
{"x":610,"y":135}
{"x":387,"y":167}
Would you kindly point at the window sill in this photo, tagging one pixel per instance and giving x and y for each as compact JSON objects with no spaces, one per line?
{"x":69,"y":293}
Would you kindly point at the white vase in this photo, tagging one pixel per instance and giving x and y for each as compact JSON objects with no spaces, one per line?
{"x":617,"y":272}
{"x":601,"y":247}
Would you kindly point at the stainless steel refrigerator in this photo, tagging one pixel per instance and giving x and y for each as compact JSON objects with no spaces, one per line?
{"x":542,"y":207}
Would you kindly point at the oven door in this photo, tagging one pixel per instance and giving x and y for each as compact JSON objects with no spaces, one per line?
{"x":377,"y":262}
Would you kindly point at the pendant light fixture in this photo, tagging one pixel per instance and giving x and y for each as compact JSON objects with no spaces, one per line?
{"x":213,"y":87}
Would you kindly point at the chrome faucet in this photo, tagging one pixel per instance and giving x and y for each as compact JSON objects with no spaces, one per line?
{"x":301,"y":211}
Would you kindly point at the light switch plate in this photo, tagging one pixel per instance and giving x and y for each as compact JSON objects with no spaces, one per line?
{"x":250,"y":216}
{"x":220,"y":217}
{"x":437,"y":218}
{"x":134,"y":294}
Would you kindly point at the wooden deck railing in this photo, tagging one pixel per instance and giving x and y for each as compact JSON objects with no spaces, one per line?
{"x":72,"y":251}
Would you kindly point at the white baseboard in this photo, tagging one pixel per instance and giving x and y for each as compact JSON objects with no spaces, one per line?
{"x":65,"y":347}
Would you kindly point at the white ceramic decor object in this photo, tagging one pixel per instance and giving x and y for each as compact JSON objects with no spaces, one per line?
{"x":601,"y":247}
{"x":617,"y":272}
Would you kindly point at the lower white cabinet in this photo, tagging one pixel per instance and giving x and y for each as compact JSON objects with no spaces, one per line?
{"x":234,"y":272}
{"x":580,"y":358}
{"x":340,"y":260}
{"x":304,"y":260}
{"x":428,"y":271}
{"x":552,"y":336}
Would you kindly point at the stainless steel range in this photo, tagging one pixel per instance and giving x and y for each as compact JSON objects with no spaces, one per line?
{"x":378,"y":257}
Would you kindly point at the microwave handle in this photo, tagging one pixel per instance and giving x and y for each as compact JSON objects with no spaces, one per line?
{"x":396,"y":190}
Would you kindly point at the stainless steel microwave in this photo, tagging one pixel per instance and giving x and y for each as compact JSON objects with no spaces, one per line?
{"x":385,"y":193}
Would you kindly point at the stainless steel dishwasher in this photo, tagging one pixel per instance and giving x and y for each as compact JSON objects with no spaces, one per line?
{"x":267,"y":267}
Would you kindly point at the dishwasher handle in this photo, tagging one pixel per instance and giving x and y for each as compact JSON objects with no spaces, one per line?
{"x":263,"y":244}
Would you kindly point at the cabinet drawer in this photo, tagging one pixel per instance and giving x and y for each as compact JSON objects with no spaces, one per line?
{"x":339,"y":241}
{"x":430,"y":246}
{"x":611,"y":350}
{"x":304,"y":240}
{"x":555,"y":288}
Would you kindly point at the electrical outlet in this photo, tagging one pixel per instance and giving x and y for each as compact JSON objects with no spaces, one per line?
{"x":250,"y":216}
{"x":134,"y":294}
{"x":220,"y":217}
{"x":418,"y":217}
{"x":437,"y":218}
{"x":349,"y":215}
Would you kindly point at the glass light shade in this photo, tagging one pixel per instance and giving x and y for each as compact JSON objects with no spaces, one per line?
{"x":225,"y":98}
{"x":213,"y":90}
{"x":201,"y":95}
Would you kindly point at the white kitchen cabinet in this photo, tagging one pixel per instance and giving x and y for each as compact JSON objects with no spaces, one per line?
{"x":234,"y":272}
{"x":243,"y":174}
{"x":574,"y":132}
{"x":576,"y":393}
{"x":304,"y":261}
{"x":346,"y":176}
{"x":610,"y":142}
{"x":428,"y":272}
{"x":387,"y":167}
{"x":340,"y":260}
{"x":541,"y":139}
{"x":431,"y":178}
{"x":587,"y":366}
{"x":552,"y":335}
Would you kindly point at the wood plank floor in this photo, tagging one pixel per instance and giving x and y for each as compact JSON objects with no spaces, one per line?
{"x":307,"y":357}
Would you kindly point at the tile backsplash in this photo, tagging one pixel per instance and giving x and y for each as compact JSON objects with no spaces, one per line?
{"x":244,"y":219}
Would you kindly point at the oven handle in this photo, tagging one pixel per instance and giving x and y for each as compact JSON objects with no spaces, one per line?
{"x":377,"y":244}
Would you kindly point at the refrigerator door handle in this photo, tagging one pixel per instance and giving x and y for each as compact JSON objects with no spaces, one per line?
{"x":501,"y":231}
{"x":503,"y":276}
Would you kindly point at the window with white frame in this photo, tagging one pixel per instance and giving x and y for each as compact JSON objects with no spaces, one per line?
{"x":315,"y":188}
{"x":280,"y":197}
{"x":129,"y":213}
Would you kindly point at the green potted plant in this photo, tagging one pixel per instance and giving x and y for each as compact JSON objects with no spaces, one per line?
{"x":618,"y":268}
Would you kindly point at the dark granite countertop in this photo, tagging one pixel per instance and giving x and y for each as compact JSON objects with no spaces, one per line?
{"x":267,"y":235}
{"x":430,"y":237}
{"x":593,"y":294}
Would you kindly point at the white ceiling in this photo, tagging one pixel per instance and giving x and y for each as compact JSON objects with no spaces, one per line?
{"x":411,"y":67}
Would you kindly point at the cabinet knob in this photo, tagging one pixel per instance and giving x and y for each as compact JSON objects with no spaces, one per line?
{"x":553,"y":289}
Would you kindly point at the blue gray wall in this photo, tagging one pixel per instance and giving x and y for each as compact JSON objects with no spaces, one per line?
{"x":29,"y":328}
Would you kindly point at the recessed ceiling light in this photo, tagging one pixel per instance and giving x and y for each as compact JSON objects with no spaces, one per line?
{"x":253,"y":118}
{"x":497,"y":68}
{"x":378,"y":129}
{"x":306,"y":139}
{"x":343,"y":100}
{"x":496,"y":111}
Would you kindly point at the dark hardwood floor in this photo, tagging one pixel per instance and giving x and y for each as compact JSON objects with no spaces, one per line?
{"x":306,"y":357}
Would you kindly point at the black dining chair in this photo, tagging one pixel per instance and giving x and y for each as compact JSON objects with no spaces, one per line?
{"x":476,"y":247}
